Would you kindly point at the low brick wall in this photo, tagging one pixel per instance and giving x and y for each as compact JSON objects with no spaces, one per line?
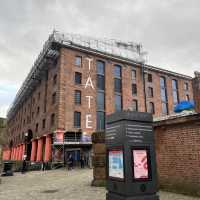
{"x":99,"y":159}
{"x":177,"y":143}
{"x":178,"y":154}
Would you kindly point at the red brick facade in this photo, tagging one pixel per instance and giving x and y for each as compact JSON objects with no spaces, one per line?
{"x":43,"y":114}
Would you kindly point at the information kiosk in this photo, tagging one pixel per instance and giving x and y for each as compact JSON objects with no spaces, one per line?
{"x":131,"y":165}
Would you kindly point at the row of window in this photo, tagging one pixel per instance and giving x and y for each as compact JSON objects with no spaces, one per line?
{"x":52,"y":123}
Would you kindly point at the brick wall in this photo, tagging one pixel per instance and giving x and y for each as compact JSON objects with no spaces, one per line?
{"x":178,"y":154}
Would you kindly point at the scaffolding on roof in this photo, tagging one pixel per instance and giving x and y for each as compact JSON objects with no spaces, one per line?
{"x":128,"y":50}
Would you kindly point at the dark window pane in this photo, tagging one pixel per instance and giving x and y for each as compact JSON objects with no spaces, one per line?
{"x":100,"y":101}
{"x":100,"y":120}
{"x":187,"y":97}
{"x":100,"y":67}
{"x":100,"y":82}
{"x":53,"y":119}
{"x":134,"y":89}
{"x":150,"y":92}
{"x":54,"y":98}
{"x":77,"y":119}
{"x":77,"y":97}
{"x":117,"y":71}
{"x":135,"y":105}
{"x":118,"y":85}
{"x":78,"y":61}
{"x":78,"y":77}
{"x":149,"y":77}
{"x":151,"y":108}
{"x":118,"y":103}
{"x":55,"y":79}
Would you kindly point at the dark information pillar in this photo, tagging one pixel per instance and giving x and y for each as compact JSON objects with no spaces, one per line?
{"x":131,"y":162}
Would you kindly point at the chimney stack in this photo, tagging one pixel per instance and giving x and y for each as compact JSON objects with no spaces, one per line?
{"x":196,"y":90}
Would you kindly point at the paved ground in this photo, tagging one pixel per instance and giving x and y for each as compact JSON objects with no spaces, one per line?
{"x":59,"y":185}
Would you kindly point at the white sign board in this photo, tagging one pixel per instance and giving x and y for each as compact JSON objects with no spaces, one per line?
{"x":116,"y":164}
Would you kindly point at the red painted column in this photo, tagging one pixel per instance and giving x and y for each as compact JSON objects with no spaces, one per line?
{"x":15,"y":151}
{"x":23,"y":151}
{"x":12,"y":153}
{"x":34,"y":150}
{"x":39,"y":150}
{"x":47,"y":156}
{"x":20,"y":152}
{"x":17,"y":155}
{"x":9,"y":154}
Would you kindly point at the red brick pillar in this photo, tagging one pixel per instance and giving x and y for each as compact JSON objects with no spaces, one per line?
{"x":47,"y":156}
{"x":34,"y":150}
{"x":39,"y":150}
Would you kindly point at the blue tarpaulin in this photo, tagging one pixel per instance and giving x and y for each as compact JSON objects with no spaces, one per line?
{"x":184,"y":105}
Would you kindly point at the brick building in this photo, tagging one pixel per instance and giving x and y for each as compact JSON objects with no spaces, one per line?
{"x":73,"y":84}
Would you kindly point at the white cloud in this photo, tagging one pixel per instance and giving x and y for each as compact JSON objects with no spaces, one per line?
{"x":169,"y":30}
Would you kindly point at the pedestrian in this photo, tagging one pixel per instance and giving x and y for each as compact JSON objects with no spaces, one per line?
{"x":23,"y":166}
{"x":70,"y":162}
{"x":82,"y":161}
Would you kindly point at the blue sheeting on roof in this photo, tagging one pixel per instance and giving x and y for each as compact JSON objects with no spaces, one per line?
{"x":184,"y":105}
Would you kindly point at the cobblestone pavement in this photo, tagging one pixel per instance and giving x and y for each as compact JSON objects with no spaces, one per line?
{"x":59,"y":185}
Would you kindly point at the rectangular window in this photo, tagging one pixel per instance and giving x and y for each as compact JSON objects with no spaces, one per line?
{"x":54,"y":98}
{"x":150,"y":92}
{"x":100,"y":114}
{"x":78,"y":78}
{"x":186,"y":86}
{"x":151,"y":108}
{"x":36,"y":127}
{"x":149,"y":78}
{"x":100,"y":82}
{"x":77,"y":119}
{"x":52,"y":119}
{"x":100,"y":120}
{"x":133,"y":74}
{"x":164,"y":99}
{"x":187,"y":97}
{"x":118,"y":85}
{"x":175,"y":91}
{"x":118,"y":102}
{"x":78,"y":61}
{"x":55,"y":79}
{"x":117,"y":71}
{"x":135,"y":105}
{"x":77,"y":97}
{"x":43,"y":123}
{"x":100,"y":101}
{"x":100,"y":67}
{"x":134,"y":89}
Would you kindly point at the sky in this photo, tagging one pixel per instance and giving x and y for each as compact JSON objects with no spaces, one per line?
{"x":168,"y":30}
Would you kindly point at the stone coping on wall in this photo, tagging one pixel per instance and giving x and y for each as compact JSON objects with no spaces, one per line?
{"x":177,"y":119}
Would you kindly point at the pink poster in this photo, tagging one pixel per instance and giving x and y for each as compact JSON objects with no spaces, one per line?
{"x":140,"y":164}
